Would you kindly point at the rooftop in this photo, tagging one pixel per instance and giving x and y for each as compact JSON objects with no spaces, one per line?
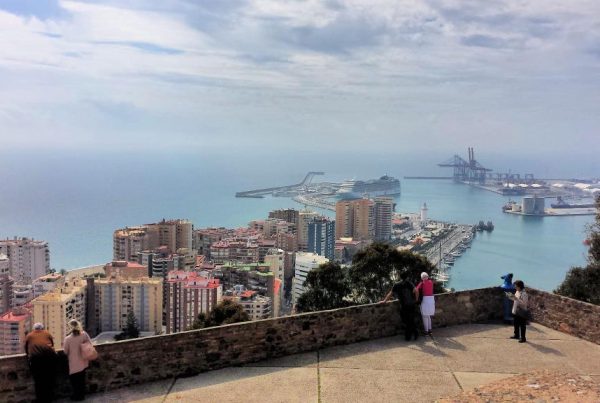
{"x":454,"y":360}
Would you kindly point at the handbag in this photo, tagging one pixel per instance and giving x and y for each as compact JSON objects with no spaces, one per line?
{"x":88,"y":352}
{"x":523,"y":313}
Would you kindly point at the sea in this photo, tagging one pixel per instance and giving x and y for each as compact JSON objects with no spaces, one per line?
{"x":76,"y":199}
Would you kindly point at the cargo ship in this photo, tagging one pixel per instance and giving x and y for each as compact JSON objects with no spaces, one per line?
{"x":384,"y":186}
{"x":560,"y":203}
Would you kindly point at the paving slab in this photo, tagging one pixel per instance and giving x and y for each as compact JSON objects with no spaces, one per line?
{"x":470,"y":354}
{"x":471,"y":380}
{"x":346,"y":385}
{"x":581,"y":355}
{"x":152,"y":392}
{"x":248,"y":384}
{"x":296,"y":360}
{"x":502,"y":331}
{"x":387,"y":353}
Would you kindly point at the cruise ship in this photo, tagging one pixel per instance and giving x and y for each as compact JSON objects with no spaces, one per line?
{"x":384,"y":186}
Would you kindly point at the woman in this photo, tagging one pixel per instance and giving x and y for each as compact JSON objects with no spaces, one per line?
{"x":428,"y":304}
{"x":77,"y":364}
{"x":519,"y":311}
{"x":39,"y":347}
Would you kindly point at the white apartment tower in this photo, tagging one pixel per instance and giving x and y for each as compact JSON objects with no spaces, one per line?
{"x":28,"y":258}
{"x":305,"y":262}
{"x":6,"y":285}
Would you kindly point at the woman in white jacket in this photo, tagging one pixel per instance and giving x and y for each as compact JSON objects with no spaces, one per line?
{"x":520,"y":306}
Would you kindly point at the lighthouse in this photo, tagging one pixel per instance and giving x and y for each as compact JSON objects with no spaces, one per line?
{"x":424,"y":214}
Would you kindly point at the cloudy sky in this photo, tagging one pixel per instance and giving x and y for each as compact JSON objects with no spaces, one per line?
{"x":333,"y":74}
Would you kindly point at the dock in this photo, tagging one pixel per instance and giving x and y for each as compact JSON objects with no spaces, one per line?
{"x":259,"y":193}
{"x":559,"y":212}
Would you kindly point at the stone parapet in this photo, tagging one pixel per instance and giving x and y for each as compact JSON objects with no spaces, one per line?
{"x":566,"y":315}
{"x":188,"y":353}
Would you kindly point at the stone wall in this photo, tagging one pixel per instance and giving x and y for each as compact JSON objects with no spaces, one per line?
{"x":566,"y":315}
{"x":189,"y":353}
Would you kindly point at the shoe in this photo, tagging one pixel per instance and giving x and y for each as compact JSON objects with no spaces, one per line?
{"x":429,"y":333}
{"x":513,"y":337}
{"x":522,"y":341}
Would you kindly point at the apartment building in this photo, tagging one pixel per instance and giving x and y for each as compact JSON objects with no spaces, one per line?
{"x":305,"y":262}
{"x":47,"y":283}
{"x":186,"y":295}
{"x":116,"y":296}
{"x":355,"y":219}
{"x":28,"y":259}
{"x":6,"y":285}
{"x":173,"y":234}
{"x":14,"y":326}
{"x":321,"y":237}
{"x":56,"y":308}
{"x":383,"y":212}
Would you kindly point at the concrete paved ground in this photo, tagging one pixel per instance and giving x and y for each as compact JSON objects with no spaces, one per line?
{"x":384,"y":370}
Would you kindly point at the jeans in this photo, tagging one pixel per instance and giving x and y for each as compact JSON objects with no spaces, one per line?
{"x":520,"y":324}
{"x":78,"y":385}
{"x":43,"y":369}
{"x":407,"y":313}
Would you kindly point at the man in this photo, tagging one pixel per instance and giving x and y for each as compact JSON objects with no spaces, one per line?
{"x":39,"y":347}
{"x":403,"y":291}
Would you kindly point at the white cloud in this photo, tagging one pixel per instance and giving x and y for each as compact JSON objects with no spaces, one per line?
{"x":107,"y":72}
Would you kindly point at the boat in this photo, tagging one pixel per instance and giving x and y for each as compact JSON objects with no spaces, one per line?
{"x":384,"y":186}
{"x":560,"y":203}
{"x":456,"y":254}
{"x":489,"y":226}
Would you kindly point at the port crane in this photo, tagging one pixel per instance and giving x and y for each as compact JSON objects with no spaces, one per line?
{"x":467,"y":171}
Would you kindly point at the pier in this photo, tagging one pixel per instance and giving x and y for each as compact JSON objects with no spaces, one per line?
{"x":259,"y":193}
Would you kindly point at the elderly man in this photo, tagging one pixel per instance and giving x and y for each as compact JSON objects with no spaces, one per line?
{"x":39,"y":347}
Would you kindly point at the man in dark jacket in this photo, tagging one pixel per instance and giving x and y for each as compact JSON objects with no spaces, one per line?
{"x":403,"y":291}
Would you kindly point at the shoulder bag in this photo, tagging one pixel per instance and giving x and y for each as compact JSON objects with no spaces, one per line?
{"x":88,"y":351}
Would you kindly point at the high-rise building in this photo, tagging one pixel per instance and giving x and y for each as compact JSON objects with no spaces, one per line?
{"x":290,"y":215}
{"x":116,"y":296}
{"x":6,"y":285}
{"x":47,"y":283}
{"x":355,"y":219}
{"x":14,"y":326}
{"x":186,"y":294}
{"x":305,"y":262}
{"x":56,"y":308}
{"x":384,"y":209}
{"x":129,"y":241}
{"x":321,"y":237}
{"x":304,"y":218}
{"x":28,"y":258}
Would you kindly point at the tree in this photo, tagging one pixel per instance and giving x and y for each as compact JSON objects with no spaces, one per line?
{"x":224,"y":313}
{"x":583,"y":283}
{"x":376,"y":268}
{"x":131,"y":330}
{"x":327,"y":287}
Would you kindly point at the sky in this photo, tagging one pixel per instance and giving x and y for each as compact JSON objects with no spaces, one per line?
{"x":337,"y":76}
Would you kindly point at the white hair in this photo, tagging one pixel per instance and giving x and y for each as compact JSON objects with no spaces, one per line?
{"x":424,"y":276}
{"x":38,"y":326}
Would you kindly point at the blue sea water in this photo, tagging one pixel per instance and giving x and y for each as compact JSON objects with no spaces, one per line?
{"x":75,"y":201}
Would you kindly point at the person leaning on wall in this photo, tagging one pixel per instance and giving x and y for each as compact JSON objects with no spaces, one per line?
{"x":39,"y":348}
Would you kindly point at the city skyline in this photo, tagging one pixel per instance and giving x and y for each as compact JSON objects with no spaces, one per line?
{"x":420,"y":75}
